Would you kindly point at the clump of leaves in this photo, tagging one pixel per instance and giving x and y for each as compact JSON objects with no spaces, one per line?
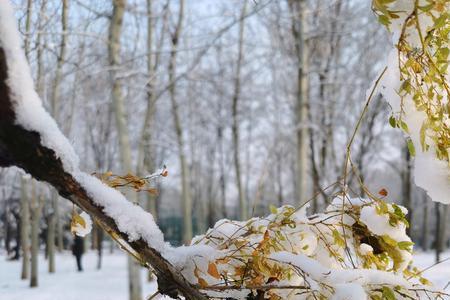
{"x":137,"y":183}
{"x":424,"y":69}
{"x":333,"y":238}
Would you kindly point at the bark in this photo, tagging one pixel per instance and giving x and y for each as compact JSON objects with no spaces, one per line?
{"x":438,"y":232}
{"x":24,"y":205}
{"x":17,"y":217}
{"x":441,"y":232}
{"x":134,"y":284}
{"x":36,"y":204}
{"x":55,"y":112}
{"x":36,"y":209}
{"x":243,"y":206}
{"x":146,"y":155}
{"x":299,"y":29}
{"x":186,"y":197}
{"x":222,"y":179}
{"x":51,"y":236}
{"x":25,"y":230}
{"x":99,"y":247}
{"x":406,"y":188}
{"x":425,"y":239}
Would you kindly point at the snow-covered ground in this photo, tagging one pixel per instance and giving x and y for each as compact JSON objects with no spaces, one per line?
{"x":438,"y":274}
{"x":110,"y":283}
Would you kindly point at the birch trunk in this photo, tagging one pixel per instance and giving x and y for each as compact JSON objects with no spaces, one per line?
{"x":186,"y":198}
{"x":243,"y":207}
{"x":51,"y":235}
{"x":135,"y":290}
{"x":24,"y":203}
{"x":25,"y":230}
{"x":36,"y":208}
{"x":146,"y":155}
{"x":299,"y":29}
{"x":36,"y":205}
{"x":55,"y":103}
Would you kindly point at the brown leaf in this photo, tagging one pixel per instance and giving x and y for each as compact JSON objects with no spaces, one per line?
{"x":212,"y":270}
{"x":383,"y":192}
{"x":202,"y":282}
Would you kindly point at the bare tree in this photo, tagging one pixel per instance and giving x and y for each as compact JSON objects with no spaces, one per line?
{"x":299,"y":29}
{"x":121,"y":124}
{"x":243,"y":207}
{"x":24,"y":202}
{"x":36,"y":205}
{"x":186,"y":197}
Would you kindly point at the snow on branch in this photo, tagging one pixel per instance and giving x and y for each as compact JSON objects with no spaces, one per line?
{"x":417,"y":86}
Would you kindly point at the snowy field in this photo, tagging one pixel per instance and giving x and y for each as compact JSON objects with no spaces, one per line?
{"x":110,"y":283}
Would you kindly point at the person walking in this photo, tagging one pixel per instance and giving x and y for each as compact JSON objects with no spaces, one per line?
{"x":78,"y":250}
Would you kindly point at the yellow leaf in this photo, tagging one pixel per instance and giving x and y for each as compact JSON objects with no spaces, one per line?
{"x":77,"y":220}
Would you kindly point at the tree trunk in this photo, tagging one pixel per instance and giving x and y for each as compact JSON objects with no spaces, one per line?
{"x":406,"y":188}
{"x":425,"y":239}
{"x":186,"y":197}
{"x":243,"y":207}
{"x":442,"y":232}
{"x":135,"y":290}
{"x":51,"y":234}
{"x":25,"y":230}
{"x":24,"y":204}
{"x":438,"y":234}
{"x":99,"y":248}
{"x":299,"y":29}
{"x":36,"y":208}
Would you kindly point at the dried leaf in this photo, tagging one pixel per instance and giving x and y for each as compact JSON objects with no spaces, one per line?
{"x":383,"y":192}
{"x":202,"y":282}
{"x":212,"y":270}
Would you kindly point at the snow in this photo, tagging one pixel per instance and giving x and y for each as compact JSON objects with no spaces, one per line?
{"x":365,"y":249}
{"x":348,"y":291}
{"x":379,"y":224}
{"x":439,"y":274}
{"x":333,"y":277}
{"x":130,"y":218}
{"x":109,"y":283}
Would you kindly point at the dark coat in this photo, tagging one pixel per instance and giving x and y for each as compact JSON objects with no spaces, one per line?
{"x":78,"y":246}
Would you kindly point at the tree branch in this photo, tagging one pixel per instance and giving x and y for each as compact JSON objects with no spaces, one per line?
{"x":23,"y":148}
